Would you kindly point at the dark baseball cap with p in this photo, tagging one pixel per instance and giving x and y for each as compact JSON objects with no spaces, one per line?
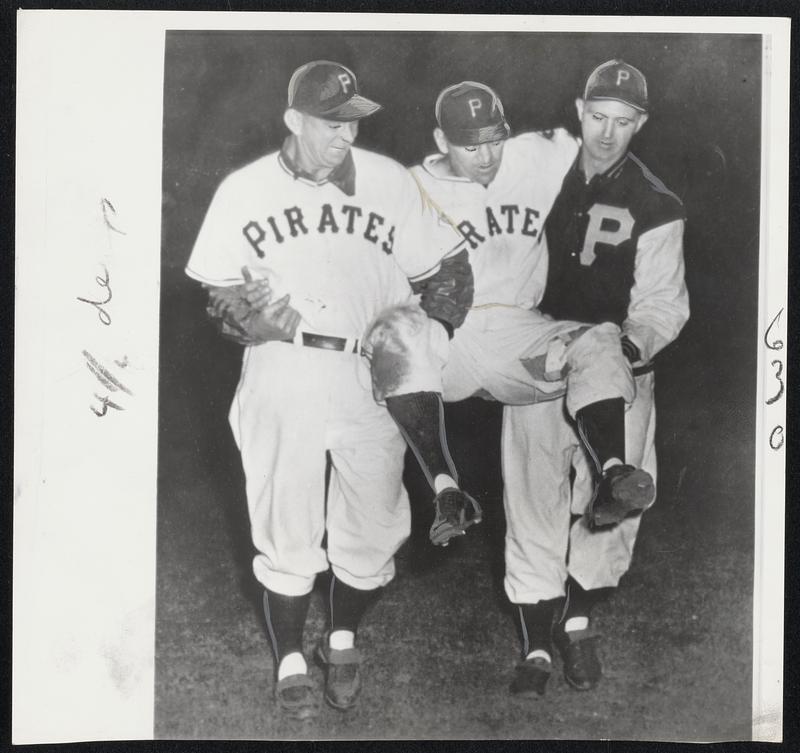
{"x":618,"y":80}
{"x":328,"y":90}
{"x":470,"y":113}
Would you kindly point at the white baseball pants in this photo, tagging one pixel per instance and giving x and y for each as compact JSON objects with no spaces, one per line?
{"x":539,"y":446}
{"x":293,"y":404}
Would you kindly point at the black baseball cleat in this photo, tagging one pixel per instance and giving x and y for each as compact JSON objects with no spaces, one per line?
{"x":622,"y":490}
{"x":342,"y":675}
{"x":454,"y":512}
{"x":530,"y":677}
{"x":578,"y":649}
{"x":296,"y":697}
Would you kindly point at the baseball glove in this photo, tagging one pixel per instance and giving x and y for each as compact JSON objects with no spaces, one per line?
{"x":455,"y":512}
{"x":447,"y":295}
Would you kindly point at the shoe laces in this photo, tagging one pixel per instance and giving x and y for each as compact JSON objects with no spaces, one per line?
{"x":449,"y":503}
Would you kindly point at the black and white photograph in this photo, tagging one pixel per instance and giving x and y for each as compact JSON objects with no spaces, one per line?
{"x":413,"y":287}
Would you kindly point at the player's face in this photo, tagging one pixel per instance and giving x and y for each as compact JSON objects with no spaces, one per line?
{"x":478,"y":163}
{"x":323,"y":144}
{"x":607,"y":127}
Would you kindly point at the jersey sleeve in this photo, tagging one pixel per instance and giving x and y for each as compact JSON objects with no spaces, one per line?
{"x":425,"y":234}
{"x":218,"y":253}
{"x":550,"y":153}
{"x":532,"y":291}
{"x":659,"y":305}
{"x":565,"y":149}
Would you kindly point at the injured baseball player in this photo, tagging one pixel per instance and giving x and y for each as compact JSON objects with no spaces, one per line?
{"x":497,"y":190}
{"x":300,"y":250}
{"x":615,"y":236}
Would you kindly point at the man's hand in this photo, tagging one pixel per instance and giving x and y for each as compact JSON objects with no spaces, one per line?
{"x":277,"y":321}
{"x":245,"y":314}
{"x":237,"y":301}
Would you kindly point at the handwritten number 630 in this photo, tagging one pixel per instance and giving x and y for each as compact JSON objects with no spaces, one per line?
{"x":776,"y":437}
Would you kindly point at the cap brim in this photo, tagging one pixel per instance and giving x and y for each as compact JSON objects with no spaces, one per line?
{"x":475,"y":136}
{"x":616,"y":98}
{"x":355,"y":108}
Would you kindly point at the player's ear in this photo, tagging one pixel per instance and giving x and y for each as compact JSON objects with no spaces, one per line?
{"x":293,"y":120}
{"x":642,"y":120}
{"x":441,"y":140}
{"x":579,"y":107}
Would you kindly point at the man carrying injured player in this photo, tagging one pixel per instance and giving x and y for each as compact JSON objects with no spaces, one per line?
{"x":497,"y":190}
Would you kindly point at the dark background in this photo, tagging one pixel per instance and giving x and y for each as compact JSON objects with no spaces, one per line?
{"x":677,"y":646}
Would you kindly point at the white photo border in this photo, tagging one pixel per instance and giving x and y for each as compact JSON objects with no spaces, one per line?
{"x":85,"y":486}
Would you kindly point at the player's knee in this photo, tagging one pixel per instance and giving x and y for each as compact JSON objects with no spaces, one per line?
{"x":579,"y":331}
{"x":586,"y":342}
{"x":388,"y":345}
{"x":558,"y":359}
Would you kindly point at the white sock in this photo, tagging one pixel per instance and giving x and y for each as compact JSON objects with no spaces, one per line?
{"x":539,"y":653}
{"x":292,"y":664}
{"x":576,"y":623}
{"x":442,"y":482}
{"x":611,"y":462}
{"x":341,"y":640}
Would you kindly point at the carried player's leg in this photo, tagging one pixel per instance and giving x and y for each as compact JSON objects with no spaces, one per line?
{"x":613,"y":545}
{"x":407,"y":351}
{"x":519,"y":357}
{"x":622,"y":487}
{"x":600,"y":387}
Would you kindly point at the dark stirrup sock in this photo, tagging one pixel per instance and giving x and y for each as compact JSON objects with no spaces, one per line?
{"x":347,"y":604}
{"x":286,"y":617}
{"x":536,"y":622}
{"x":601,"y":427}
{"x":581,"y":601}
{"x":420,"y":416}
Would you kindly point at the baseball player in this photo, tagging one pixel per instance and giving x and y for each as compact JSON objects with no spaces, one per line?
{"x":615,"y":236}
{"x":497,"y":190}
{"x":300,"y":250}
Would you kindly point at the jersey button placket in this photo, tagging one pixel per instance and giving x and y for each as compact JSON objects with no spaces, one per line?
{"x":579,"y":215}
{"x":577,"y":227}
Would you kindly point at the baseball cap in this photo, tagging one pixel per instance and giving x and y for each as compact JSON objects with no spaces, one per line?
{"x":470,"y":113}
{"x":328,"y":90}
{"x":618,"y":80}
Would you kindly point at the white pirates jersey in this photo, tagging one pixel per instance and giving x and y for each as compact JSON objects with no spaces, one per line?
{"x":342,"y":258}
{"x":502,"y":223}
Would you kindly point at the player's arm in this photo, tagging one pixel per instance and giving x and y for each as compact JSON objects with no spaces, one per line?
{"x":659,"y":305}
{"x":437,"y":263}
{"x":239,"y":306}
{"x":446,"y":295}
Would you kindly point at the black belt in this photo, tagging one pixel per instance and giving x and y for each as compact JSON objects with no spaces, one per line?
{"x":646,"y":369}
{"x":326,"y":342}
